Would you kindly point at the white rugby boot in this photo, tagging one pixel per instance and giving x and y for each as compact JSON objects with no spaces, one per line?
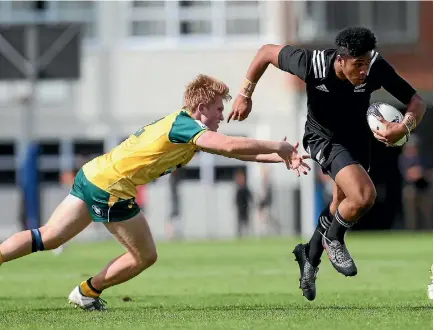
{"x":84,"y":302}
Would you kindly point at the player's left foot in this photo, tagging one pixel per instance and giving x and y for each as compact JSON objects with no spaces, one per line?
{"x":86,"y":303}
{"x":339,"y":257}
{"x":307,"y":272}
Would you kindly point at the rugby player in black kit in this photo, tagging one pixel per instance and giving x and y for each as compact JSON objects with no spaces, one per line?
{"x":339,"y":83}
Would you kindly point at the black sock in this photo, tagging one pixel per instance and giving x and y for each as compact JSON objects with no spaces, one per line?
{"x":338,"y":228}
{"x":315,"y":248}
{"x":89,"y":283}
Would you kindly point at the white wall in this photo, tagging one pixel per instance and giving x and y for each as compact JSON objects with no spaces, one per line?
{"x":144,"y":85}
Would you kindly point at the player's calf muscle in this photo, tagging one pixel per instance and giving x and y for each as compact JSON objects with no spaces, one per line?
{"x":29,"y":241}
{"x":135,"y":235}
{"x":69,"y":218}
{"x":16,"y":246}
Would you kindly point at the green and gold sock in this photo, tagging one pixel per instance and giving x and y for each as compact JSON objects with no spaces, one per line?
{"x":86,"y":289}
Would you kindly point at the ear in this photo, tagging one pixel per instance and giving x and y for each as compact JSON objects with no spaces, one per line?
{"x":201,"y":108}
{"x":340,"y":60}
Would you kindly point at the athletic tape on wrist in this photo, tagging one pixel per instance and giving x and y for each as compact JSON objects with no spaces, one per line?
{"x":247,"y":88}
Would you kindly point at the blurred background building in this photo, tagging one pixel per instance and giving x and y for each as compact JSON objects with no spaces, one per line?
{"x":135,"y":57}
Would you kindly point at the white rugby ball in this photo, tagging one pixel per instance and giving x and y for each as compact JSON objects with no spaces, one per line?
{"x":387,"y":112}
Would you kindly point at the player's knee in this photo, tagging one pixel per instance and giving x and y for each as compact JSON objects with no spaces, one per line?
{"x":146,"y":260}
{"x":370,"y":198}
{"x":151,"y":258}
{"x":365,"y":199}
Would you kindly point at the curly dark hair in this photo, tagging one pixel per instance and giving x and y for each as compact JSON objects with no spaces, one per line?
{"x":355,"y":41}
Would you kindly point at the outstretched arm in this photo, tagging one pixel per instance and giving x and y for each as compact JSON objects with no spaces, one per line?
{"x":247,"y":149}
{"x":286,"y":58}
{"x":275,"y":158}
{"x":261,"y":158}
{"x":222,"y":144}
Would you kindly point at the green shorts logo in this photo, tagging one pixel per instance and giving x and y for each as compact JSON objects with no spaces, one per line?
{"x":97,"y":210}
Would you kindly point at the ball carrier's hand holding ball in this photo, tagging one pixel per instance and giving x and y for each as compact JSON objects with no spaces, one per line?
{"x":380,"y":115}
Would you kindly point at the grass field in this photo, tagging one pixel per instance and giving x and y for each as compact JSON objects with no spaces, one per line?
{"x":246,"y":284}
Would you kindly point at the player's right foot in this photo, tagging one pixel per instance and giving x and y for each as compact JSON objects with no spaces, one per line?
{"x":339,"y":257}
{"x":307,"y":272}
{"x":84,"y":302}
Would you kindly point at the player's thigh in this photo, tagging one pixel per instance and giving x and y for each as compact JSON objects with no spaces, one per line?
{"x":356,"y":184}
{"x":68,"y":219}
{"x":135,"y":235}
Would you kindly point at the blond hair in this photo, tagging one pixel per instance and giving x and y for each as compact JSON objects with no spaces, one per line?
{"x":204,"y":89}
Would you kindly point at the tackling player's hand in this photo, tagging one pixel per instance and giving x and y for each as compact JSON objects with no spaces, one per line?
{"x":240,"y":108}
{"x":392,"y":132}
{"x":292,"y":158}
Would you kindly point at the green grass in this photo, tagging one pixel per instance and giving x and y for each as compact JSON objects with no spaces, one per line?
{"x":247,"y":284}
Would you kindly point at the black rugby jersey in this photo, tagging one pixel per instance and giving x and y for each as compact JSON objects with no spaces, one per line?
{"x":337,"y":109}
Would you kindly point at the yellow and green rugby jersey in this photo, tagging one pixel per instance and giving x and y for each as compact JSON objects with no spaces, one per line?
{"x":154,"y":150}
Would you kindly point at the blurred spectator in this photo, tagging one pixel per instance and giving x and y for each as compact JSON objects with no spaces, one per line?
{"x":173,"y":225}
{"x":142,"y":197}
{"x":417,"y":198}
{"x":268,"y":224}
{"x":327,"y":185}
{"x":243,"y":199}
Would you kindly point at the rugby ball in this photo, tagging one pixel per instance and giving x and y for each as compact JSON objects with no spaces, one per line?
{"x":389,"y":113}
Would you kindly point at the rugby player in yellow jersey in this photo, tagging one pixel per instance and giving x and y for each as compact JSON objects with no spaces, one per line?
{"x":104,"y":189}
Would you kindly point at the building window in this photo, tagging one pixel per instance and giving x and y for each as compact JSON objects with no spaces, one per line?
{"x":391,"y":21}
{"x":147,"y":18}
{"x":148,"y":28}
{"x":78,"y":11}
{"x":195,"y":18}
{"x":391,"y":16}
{"x":243,"y":26}
{"x":19,"y":12}
{"x":49,"y":161}
{"x":7,"y":162}
{"x":243,"y":18}
{"x":196,"y":27}
{"x":173,"y":19}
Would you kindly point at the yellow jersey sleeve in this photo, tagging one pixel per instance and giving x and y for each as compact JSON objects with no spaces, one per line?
{"x":185,"y":129}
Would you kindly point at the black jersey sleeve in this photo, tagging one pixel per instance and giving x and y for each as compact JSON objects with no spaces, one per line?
{"x":393,"y":82}
{"x":295,"y":61}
